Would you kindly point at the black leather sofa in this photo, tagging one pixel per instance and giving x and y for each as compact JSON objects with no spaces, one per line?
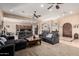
{"x":12,"y":45}
{"x":53,"y":39}
{"x":7,"y":50}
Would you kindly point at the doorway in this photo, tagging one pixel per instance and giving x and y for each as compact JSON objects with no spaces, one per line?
{"x":67,"y":30}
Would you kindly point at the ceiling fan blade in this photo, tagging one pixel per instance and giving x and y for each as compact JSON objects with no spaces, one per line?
{"x":35,"y":14}
{"x":50,"y":7}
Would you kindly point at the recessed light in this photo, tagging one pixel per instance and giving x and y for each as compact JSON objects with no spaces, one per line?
{"x":11,"y":10}
{"x":63,"y":14}
{"x":42,"y":5}
{"x":71,"y":12}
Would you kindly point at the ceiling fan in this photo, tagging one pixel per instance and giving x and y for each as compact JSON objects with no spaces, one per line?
{"x":36,"y":15}
{"x":57,"y":5}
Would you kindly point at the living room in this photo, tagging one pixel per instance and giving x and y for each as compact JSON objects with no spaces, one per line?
{"x":39,"y":29}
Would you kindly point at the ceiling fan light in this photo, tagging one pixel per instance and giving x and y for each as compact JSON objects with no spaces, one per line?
{"x":39,"y":15}
{"x":34,"y":11}
{"x":57,"y":7}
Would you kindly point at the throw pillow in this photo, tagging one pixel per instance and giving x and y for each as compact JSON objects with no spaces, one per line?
{"x":3,"y":39}
{"x":49,"y":35}
{"x":2,"y":43}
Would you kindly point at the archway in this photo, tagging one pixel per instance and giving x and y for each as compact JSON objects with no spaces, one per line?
{"x":67,"y":30}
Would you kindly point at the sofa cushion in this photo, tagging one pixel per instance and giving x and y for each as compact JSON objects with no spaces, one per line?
{"x":20,"y":44}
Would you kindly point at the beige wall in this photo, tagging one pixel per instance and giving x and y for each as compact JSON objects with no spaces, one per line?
{"x":73,"y":19}
{"x":12,"y":26}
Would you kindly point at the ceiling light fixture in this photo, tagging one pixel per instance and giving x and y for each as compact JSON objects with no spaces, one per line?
{"x":57,"y":7}
{"x":42,"y":5}
{"x":70,"y":12}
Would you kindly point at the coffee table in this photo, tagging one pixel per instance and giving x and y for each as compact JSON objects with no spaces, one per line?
{"x":33,"y":41}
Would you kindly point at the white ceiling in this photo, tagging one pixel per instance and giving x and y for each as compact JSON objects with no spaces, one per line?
{"x":28,"y":8}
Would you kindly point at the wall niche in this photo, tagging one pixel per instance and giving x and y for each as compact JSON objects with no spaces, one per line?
{"x":76,"y":26}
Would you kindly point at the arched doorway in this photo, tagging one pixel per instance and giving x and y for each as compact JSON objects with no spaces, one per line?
{"x":67,"y":30}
